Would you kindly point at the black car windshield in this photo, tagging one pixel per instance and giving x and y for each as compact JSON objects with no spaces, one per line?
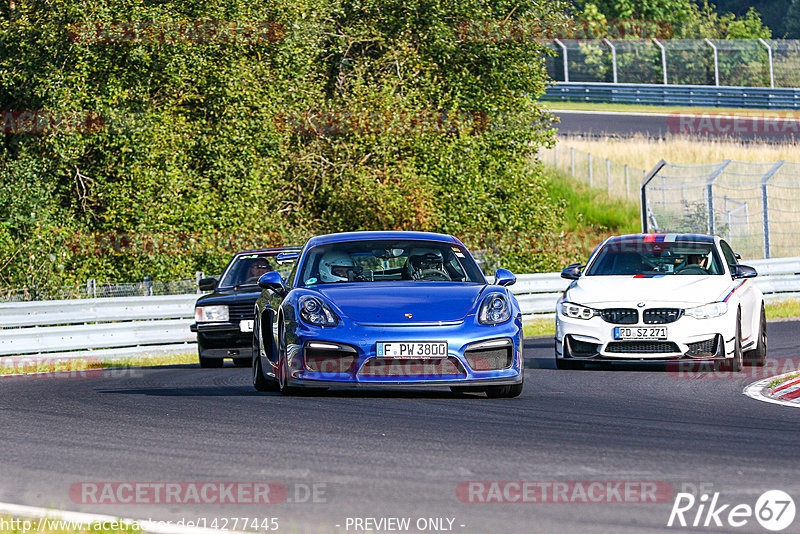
{"x":388,"y":260}
{"x":248,"y":268}
{"x":635,"y":257}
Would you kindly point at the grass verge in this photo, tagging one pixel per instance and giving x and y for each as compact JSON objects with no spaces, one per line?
{"x":781,"y":309}
{"x":24,"y":525}
{"x":779,"y":381}
{"x":43,"y":364}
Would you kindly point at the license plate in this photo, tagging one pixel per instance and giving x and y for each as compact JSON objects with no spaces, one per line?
{"x":246,"y":325}
{"x":412,"y":349}
{"x":640,"y":332}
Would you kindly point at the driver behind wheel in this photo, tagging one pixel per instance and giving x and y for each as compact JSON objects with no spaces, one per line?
{"x":696,"y":260}
{"x":426,"y":264}
{"x":335,"y":266}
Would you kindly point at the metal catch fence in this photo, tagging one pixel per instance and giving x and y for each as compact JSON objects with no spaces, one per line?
{"x":753,"y":205}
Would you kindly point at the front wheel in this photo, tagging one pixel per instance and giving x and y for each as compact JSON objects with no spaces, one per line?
{"x":734,"y":364}
{"x":758,"y":356}
{"x":205,"y":361}
{"x":260,"y":382}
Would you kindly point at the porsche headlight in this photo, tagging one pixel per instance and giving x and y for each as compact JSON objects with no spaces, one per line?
{"x":715,"y":309}
{"x":576,"y":311}
{"x":211,"y":314}
{"x":495,"y":309}
{"x":314,"y":311}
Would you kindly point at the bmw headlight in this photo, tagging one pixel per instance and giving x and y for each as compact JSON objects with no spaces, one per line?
{"x":211,"y":314}
{"x":576,"y":311}
{"x":715,"y":309}
{"x":495,"y":309}
{"x":314,"y":311}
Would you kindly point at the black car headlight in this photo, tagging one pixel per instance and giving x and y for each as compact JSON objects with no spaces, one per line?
{"x":313,"y":310}
{"x":495,"y":309}
{"x":211,"y":314}
{"x":576,"y":311}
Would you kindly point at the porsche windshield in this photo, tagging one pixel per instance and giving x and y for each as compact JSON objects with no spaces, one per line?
{"x":630,"y":257}
{"x":388,"y":260}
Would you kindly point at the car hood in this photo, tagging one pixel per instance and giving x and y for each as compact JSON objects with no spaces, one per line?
{"x":389,"y":303}
{"x":684,"y":290}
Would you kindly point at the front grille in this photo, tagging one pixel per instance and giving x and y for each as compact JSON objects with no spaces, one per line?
{"x":642,"y":347}
{"x":329,"y":360}
{"x":620,"y":315}
{"x":702,"y":349}
{"x":489,"y":359}
{"x":241,"y":311}
{"x":662,"y":315}
{"x":395,"y":367}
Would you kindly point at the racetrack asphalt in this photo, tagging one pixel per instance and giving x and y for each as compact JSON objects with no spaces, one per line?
{"x":404,"y":453}
{"x":660,"y":125}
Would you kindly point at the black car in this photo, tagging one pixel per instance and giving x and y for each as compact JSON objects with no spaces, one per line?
{"x":224,"y":317}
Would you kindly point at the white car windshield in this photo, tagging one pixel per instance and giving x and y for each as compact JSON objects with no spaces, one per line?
{"x":388,"y":260}
{"x":635,"y":257}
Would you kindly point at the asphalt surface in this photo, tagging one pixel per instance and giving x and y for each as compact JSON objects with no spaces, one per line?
{"x":770,"y":128}
{"x":403,"y":454}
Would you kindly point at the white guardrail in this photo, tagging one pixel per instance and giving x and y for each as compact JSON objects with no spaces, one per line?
{"x":102,"y":323}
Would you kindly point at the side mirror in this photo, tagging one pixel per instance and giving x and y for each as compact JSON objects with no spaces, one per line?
{"x":743,"y":271}
{"x":737,"y":255}
{"x":207,"y":284}
{"x":572,"y":272}
{"x":504,"y":277}
{"x":272,"y":281}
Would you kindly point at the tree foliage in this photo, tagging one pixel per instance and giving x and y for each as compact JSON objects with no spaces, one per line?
{"x":360,"y":114}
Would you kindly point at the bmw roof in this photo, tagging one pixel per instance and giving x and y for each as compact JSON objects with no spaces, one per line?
{"x":366,"y":235}
{"x":668,"y":238}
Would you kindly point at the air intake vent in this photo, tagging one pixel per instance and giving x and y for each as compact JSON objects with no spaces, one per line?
{"x":642,"y":347}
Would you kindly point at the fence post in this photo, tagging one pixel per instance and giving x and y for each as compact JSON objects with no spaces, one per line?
{"x":91,"y":288}
{"x":663,"y":59}
{"x":716,"y":60}
{"x":608,"y":176}
{"x":555,"y":156}
{"x":646,"y":177}
{"x":613,"y":59}
{"x":710,"y":194}
{"x":765,"y":205}
{"x":566,"y":63}
{"x":572,"y":160}
{"x":627,"y":183}
{"x":147,"y":286}
{"x":769,"y":58}
{"x":590,"y":170}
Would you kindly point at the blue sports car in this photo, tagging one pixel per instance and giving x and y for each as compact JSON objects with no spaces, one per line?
{"x":376,"y":309}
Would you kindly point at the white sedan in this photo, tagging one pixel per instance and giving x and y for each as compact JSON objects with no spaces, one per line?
{"x":650,"y":297}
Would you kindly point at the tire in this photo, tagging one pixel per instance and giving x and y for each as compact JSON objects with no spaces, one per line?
{"x":566,"y":364}
{"x":758,"y":356}
{"x":734,"y":364}
{"x":260,"y":382}
{"x":205,"y":362}
{"x":283,"y":372}
{"x":242,"y":362}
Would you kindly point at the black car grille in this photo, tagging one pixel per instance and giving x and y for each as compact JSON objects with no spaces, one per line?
{"x":702,"y":349}
{"x":241,"y":311}
{"x":662,"y":315}
{"x":489,"y":359}
{"x":642,"y":347}
{"x":620,"y":315}
{"x":334,"y":361}
{"x":377,"y":367}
